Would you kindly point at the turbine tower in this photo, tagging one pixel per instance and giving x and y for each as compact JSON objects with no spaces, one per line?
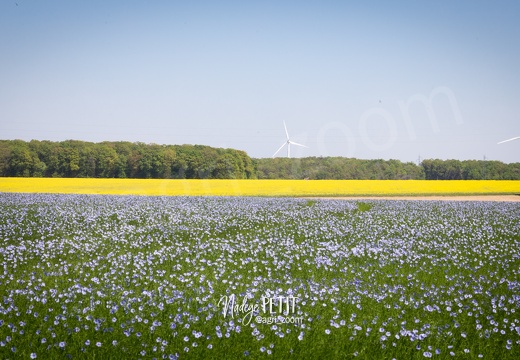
{"x":515,"y":138}
{"x":288,"y":142}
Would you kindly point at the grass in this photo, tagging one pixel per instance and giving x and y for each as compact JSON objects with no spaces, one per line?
{"x":361,"y":206}
{"x":108,"y":277}
{"x":269,"y":188}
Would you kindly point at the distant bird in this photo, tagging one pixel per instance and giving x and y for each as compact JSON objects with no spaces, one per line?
{"x":515,"y":138}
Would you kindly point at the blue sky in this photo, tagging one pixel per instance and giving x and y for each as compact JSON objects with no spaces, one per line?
{"x":364,"y":79}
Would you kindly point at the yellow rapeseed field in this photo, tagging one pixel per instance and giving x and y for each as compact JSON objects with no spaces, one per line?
{"x":258,"y":187}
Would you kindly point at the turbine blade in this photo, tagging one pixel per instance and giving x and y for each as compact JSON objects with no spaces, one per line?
{"x":281,"y":147}
{"x":293,"y":143}
{"x":286,"y":132}
{"x":515,"y":138}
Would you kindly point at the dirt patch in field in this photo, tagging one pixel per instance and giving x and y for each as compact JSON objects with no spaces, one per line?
{"x":515,"y":198}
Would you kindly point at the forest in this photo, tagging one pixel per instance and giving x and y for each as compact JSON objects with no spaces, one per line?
{"x":74,"y":158}
{"x":338,"y":168}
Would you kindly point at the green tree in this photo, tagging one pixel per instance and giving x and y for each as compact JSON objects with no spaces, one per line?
{"x":106,"y":161}
{"x":21,"y":161}
{"x":5,"y":157}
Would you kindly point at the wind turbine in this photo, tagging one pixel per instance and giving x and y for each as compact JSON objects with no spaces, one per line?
{"x":288,"y":143}
{"x":515,"y":138}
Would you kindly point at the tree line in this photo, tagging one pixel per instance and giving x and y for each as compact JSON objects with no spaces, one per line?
{"x":337,"y":168}
{"x":470,"y":170}
{"x":73,"y":158}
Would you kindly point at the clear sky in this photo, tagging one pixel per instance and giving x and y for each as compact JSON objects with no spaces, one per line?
{"x":364,"y":79}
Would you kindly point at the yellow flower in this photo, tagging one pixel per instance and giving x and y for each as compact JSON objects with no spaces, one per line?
{"x":170,"y":187}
